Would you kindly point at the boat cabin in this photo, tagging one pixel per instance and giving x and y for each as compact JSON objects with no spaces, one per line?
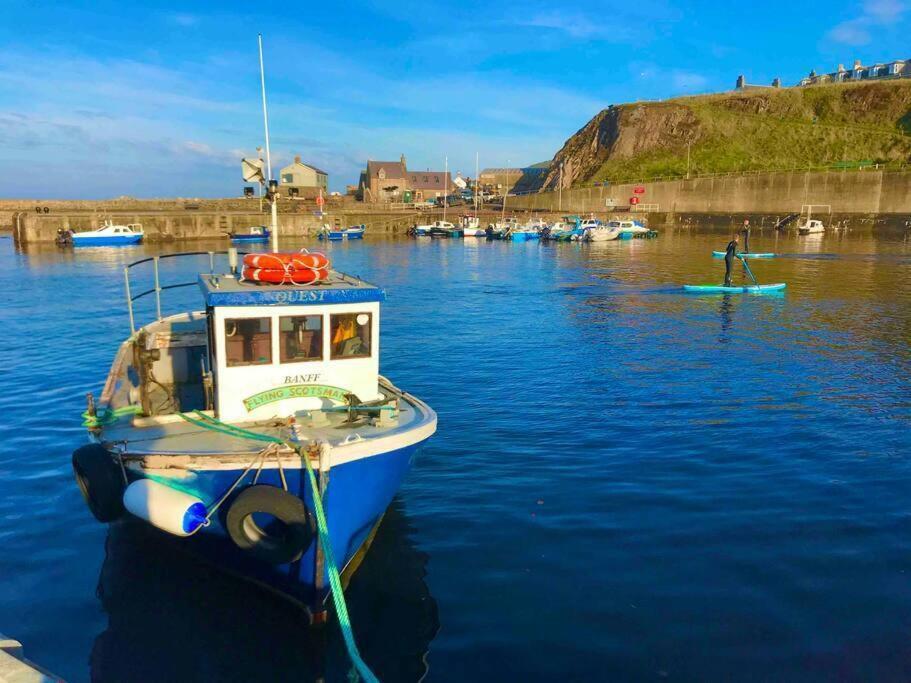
{"x":277,"y":349}
{"x":258,"y":351}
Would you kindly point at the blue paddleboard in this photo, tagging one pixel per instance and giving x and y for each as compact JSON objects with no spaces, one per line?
{"x":720,"y":254}
{"x":746,"y":289}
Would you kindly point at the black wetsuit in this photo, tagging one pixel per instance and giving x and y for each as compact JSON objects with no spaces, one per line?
{"x":746,"y":239}
{"x":729,"y":257}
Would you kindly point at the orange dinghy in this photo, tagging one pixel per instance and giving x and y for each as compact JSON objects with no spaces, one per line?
{"x":295,"y":261}
{"x":275,"y":276}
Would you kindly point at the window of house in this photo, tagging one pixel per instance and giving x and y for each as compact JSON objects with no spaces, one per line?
{"x":287,"y":178}
{"x":436,"y":178}
{"x":248,"y":341}
{"x":350,"y":334}
{"x":300,"y":338}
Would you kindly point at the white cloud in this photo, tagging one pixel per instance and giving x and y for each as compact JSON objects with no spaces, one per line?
{"x":183,"y":19}
{"x":873,"y":14}
{"x":575,"y":25}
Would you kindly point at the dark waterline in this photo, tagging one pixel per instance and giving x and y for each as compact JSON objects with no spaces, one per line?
{"x":628,"y":483}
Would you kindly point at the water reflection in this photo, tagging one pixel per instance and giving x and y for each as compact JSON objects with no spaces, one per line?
{"x":173,"y":618}
{"x":726,"y":309}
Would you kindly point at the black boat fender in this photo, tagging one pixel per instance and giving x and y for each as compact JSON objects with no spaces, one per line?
{"x":100,"y":480}
{"x":283,"y":540}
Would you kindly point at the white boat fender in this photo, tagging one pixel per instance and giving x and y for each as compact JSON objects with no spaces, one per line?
{"x":165,"y":507}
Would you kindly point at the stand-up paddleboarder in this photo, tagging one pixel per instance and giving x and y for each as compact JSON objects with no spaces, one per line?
{"x":729,"y":257}
{"x":745,"y":231}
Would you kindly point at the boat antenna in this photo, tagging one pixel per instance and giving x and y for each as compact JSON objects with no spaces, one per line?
{"x":505,"y":192}
{"x":477,"y":162}
{"x":445,"y":187}
{"x":272,"y":192}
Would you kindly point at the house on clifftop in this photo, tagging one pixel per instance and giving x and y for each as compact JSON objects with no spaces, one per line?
{"x":302,"y":180}
{"x":900,"y":68}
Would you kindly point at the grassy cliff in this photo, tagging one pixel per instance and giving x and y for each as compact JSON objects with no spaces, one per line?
{"x":768,"y":129}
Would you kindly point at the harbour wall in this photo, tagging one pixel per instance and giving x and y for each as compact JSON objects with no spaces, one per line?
{"x":165,"y":226}
{"x":846,"y":192}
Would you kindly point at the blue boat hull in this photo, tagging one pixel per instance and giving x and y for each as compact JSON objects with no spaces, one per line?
{"x":524,"y":236}
{"x":339,"y":236}
{"x":356,"y":498}
{"x":116,"y":241}
{"x":250,"y":238}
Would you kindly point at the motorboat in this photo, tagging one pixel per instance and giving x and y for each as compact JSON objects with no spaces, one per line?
{"x":255,"y":233}
{"x":811,"y":226}
{"x":629,"y":228}
{"x":110,"y":235}
{"x":600,"y":233}
{"x":354,"y":232}
{"x":471,"y":226}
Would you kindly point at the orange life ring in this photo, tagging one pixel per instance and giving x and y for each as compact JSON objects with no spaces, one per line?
{"x":280,"y":261}
{"x":275,"y":276}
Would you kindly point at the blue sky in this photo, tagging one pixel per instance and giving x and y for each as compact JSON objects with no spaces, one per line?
{"x":99,"y":99}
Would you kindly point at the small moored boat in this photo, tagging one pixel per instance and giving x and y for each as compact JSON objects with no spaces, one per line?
{"x":811,"y":226}
{"x":355,"y":232}
{"x":471,"y":226}
{"x":224,"y":425}
{"x":255,"y":233}
{"x":109,"y":235}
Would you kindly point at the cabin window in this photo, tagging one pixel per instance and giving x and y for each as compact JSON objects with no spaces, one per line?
{"x":351,"y":335}
{"x":301,"y":338}
{"x":248,"y":341}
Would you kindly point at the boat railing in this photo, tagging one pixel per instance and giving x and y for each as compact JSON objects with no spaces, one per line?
{"x":157,"y":287}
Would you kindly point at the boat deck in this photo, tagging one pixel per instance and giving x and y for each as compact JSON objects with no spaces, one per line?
{"x":171,"y":435}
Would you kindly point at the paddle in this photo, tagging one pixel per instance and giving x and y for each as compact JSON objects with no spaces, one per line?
{"x":747,"y":269}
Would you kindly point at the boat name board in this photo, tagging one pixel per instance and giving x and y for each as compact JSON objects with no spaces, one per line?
{"x":294,"y":296}
{"x":290,"y":391}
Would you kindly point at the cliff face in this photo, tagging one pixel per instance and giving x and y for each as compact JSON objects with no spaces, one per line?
{"x":790,"y":128}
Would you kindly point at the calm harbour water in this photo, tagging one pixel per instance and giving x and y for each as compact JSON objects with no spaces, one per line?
{"x":628,"y":483}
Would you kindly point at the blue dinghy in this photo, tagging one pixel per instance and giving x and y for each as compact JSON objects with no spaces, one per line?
{"x":256,"y":233}
{"x":355,"y":232}
{"x":224,"y":425}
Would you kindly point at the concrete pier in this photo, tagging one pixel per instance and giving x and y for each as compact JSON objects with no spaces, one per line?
{"x":15,"y":668}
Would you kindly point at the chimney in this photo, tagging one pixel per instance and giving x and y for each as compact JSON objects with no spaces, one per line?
{"x":857,"y":64}
{"x":297,"y":159}
{"x":402,"y":159}
{"x":776,"y":83}
{"x":741,"y":82}
{"x":841,"y":68}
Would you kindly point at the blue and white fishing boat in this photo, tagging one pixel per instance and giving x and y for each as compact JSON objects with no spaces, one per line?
{"x":630,"y":228}
{"x":212,"y":421}
{"x":109,"y":235}
{"x":354,"y":232}
{"x":255,"y":233}
{"x":565,"y":230}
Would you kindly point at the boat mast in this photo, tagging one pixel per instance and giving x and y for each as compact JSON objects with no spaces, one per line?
{"x":505,"y":192}
{"x":477,"y":158}
{"x":445,"y":188}
{"x":272,"y":192}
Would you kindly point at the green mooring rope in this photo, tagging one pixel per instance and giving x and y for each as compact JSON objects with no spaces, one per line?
{"x":335,"y":579}
{"x":107,"y":416}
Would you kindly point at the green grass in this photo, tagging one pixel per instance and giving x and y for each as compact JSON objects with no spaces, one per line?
{"x":770,"y":130}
